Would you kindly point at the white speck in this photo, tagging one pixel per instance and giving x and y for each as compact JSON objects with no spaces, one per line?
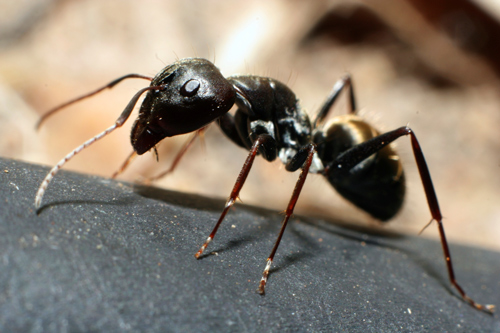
{"x":409,"y":310}
{"x":17,"y":187}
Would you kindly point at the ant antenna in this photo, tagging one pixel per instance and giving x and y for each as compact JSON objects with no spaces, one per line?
{"x":90,"y":94}
{"x":119,"y":122}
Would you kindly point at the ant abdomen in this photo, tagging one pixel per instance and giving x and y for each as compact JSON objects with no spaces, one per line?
{"x":376,"y":184}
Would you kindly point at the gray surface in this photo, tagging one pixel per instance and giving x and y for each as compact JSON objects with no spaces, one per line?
{"x":104,"y":255}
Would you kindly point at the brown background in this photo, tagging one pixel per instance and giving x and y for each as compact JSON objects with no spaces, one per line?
{"x":430,"y":64}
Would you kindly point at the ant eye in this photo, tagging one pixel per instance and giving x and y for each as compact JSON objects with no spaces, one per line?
{"x":190,"y":88}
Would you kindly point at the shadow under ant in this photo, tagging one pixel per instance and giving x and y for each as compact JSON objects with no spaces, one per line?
{"x":342,"y":228}
{"x":376,"y":237}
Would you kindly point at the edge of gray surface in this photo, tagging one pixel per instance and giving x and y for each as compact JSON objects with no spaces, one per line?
{"x":104,"y":255}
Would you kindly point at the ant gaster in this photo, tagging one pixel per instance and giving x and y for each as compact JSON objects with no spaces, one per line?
{"x":357,"y":160}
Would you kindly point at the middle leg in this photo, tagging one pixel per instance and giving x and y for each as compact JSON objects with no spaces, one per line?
{"x":263,"y":140}
{"x":311,"y":149}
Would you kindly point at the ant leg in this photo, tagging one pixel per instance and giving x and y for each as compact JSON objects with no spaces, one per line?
{"x":436,"y":215}
{"x":178,"y":157}
{"x":261,"y":141}
{"x":227,"y":124}
{"x":345,"y":82}
{"x":118,"y":123}
{"x":289,"y":211}
{"x":90,"y":94}
{"x":353,"y":156}
{"x":125,"y":164}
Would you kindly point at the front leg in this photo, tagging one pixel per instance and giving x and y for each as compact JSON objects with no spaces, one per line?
{"x":228,"y":125}
{"x":263,"y":140}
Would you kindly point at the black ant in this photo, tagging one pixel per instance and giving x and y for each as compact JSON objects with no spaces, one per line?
{"x":356,"y":159}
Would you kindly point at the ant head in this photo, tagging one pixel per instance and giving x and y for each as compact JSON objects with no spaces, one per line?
{"x":195,"y":94}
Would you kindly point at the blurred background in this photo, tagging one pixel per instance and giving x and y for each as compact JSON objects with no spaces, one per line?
{"x":434,"y":65}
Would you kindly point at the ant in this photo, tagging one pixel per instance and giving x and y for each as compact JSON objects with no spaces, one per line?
{"x":356,"y":159}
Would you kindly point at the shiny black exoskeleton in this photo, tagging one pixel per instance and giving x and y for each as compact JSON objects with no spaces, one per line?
{"x":196,"y":94}
{"x":356,"y":159}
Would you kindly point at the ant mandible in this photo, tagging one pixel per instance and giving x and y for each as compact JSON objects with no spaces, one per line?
{"x":356,"y":159}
